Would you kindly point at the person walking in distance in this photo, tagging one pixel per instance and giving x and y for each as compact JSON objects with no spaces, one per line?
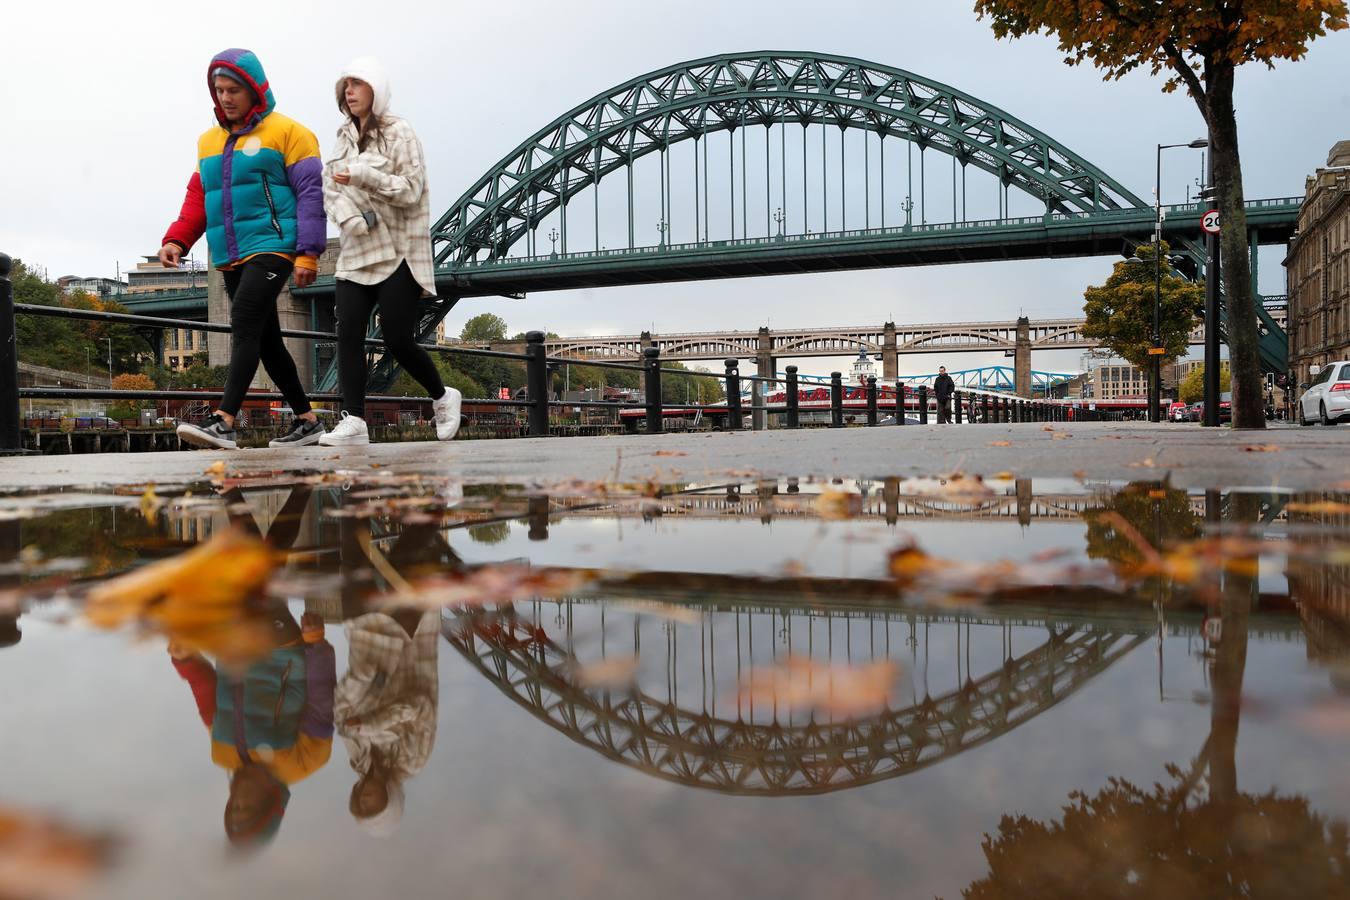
{"x":375,"y":190}
{"x":257,"y":195}
{"x":943,"y":388}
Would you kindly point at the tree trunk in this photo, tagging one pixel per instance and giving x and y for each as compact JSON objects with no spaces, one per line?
{"x":1243,"y":354}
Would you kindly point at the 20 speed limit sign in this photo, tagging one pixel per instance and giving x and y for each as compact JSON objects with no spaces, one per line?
{"x":1210,"y":222}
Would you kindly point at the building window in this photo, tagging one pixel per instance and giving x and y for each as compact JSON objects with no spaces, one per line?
{"x":173,"y":339}
{"x":187,"y":339}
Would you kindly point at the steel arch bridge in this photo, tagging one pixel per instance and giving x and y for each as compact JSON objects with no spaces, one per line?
{"x":691,"y":100}
{"x":751,"y":755}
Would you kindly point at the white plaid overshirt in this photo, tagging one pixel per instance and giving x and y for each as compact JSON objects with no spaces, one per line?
{"x":388,"y":178}
{"x":391,"y":690}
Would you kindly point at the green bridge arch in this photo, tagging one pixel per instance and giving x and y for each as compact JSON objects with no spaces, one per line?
{"x":688,"y":100}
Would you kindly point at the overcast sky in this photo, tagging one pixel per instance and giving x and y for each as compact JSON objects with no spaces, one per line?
{"x":110,"y":98}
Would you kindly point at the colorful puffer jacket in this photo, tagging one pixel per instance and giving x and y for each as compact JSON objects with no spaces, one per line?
{"x":257,"y":189}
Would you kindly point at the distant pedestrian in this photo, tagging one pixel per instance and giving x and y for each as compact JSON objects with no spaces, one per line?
{"x":943,"y":388}
{"x":257,"y":194}
{"x":375,"y":187}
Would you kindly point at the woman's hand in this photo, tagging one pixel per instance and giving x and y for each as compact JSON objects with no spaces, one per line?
{"x":343,"y":177}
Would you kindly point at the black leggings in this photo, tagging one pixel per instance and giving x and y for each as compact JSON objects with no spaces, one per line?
{"x":398,"y":298}
{"x":256,"y":332}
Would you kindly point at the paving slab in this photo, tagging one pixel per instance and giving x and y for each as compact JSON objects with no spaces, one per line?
{"x":1192,"y":457}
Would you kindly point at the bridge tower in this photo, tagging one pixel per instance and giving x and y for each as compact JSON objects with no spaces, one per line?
{"x":1022,"y":358}
{"x":766,"y":364}
{"x":890,"y":366}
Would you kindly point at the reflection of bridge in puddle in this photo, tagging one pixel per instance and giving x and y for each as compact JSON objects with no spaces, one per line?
{"x":684,"y":720}
{"x":891,"y":499}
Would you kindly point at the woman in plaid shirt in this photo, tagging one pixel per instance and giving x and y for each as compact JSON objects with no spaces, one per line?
{"x":375,"y":190}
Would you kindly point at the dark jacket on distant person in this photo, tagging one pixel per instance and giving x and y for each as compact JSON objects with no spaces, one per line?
{"x":943,"y":386}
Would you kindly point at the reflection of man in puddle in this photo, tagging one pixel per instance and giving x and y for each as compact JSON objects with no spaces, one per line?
{"x":271,"y":724}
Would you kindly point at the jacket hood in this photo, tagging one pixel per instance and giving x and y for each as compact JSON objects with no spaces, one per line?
{"x":369,"y":70}
{"x":245,"y":64}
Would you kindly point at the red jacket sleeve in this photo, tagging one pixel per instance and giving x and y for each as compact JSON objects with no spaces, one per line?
{"x":191,"y":222}
{"x":201,"y":677}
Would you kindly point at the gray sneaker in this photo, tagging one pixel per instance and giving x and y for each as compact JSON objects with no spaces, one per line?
{"x":303,"y":433}
{"x":211,"y":433}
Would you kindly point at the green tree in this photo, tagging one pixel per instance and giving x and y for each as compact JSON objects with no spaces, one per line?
{"x":1120,"y":312}
{"x":484,"y":327}
{"x":1200,"y":43}
{"x":74,"y":345}
{"x":1192,"y":387}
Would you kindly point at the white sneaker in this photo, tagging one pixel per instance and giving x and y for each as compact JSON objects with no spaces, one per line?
{"x":446,"y":412}
{"x":351,"y":430}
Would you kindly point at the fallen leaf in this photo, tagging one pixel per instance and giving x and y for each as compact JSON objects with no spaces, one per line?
{"x":1003,"y":476}
{"x":836,"y":690}
{"x":1000,"y":443}
{"x":216,"y":469}
{"x":1047,"y":428}
{"x":1060,"y":436}
{"x":199,"y":599}
{"x":835,"y":505}
{"x":1263,"y":448}
{"x":1321,"y":507}
{"x":495,"y":585}
{"x":42,"y":859}
{"x":1143,"y":464}
{"x":150,"y":504}
{"x":670,"y":453}
{"x":616,"y":673}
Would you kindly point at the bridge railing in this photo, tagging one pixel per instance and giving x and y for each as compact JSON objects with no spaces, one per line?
{"x":543,"y":411}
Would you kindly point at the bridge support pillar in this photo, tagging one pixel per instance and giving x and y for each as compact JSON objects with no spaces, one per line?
{"x":766,"y":367}
{"x":890,"y":365}
{"x":293,"y":313}
{"x":1022,"y":358}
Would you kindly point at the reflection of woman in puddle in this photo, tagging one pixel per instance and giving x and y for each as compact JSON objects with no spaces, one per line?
{"x":386,"y":702}
{"x":271,"y":723}
{"x":386,"y":707}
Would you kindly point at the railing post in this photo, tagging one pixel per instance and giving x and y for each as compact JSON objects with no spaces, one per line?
{"x":793,"y":401}
{"x":651,"y":361}
{"x":733,"y":395}
{"x":836,"y":400}
{"x":956,"y":406}
{"x":10,"y":436}
{"x":900,"y":403}
{"x":923,"y":404}
{"x":536,"y":383}
{"x":871,"y":400}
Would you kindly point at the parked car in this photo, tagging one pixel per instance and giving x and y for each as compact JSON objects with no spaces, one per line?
{"x":1326,"y":398}
{"x":1195,"y":412}
{"x":1225,"y":407}
{"x":1177,"y":412}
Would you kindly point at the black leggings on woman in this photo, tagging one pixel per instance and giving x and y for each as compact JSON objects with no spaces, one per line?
{"x":399,"y":298}
{"x":256,"y":332}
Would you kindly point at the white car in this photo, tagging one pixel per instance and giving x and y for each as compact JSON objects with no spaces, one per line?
{"x":1326,"y":398}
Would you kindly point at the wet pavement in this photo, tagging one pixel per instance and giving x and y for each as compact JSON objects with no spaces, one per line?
{"x":660,"y":673}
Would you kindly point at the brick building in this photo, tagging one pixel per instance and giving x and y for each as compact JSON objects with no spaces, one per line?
{"x":1318,"y":268}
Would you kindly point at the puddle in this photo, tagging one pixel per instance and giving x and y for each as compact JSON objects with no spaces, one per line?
{"x":363,"y":683}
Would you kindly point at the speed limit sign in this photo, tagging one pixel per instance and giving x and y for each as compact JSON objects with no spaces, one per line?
{"x":1210,"y":222}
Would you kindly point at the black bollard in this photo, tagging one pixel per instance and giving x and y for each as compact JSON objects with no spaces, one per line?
{"x":984,"y":409}
{"x":956,"y":406}
{"x":651,"y":363}
{"x":9,"y":364}
{"x":900,"y":403}
{"x":871,"y":400}
{"x":536,"y":383}
{"x":923,"y":404}
{"x":733,"y":396}
{"x":836,"y":400}
{"x":793,"y":401}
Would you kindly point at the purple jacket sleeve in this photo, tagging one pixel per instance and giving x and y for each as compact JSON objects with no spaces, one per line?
{"x":320,"y":681}
{"x":311,"y":228}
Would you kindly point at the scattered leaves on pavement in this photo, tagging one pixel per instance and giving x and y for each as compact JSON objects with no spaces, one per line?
{"x":1263,"y":448}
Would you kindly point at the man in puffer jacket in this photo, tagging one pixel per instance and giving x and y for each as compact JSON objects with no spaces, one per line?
{"x":257,"y":194}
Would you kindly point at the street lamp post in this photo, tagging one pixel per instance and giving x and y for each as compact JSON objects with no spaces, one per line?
{"x":1155,"y":357}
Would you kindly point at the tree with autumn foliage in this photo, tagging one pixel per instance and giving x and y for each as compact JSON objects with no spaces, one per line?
{"x":1200,"y":44}
{"x":1120,"y":312}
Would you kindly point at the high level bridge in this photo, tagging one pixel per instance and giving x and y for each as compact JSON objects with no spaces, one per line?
{"x":783,"y":162}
